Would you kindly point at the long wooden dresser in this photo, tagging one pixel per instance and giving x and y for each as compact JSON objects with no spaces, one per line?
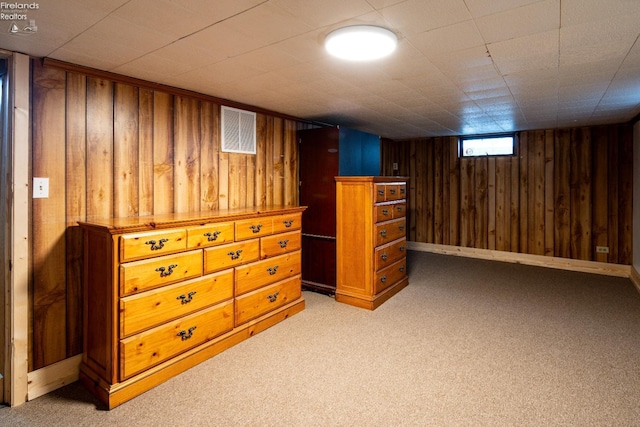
{"x":163,"y":293}
{"x":371,"y":239}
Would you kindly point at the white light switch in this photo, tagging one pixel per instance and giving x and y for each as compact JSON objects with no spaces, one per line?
{"x":40,"y":188}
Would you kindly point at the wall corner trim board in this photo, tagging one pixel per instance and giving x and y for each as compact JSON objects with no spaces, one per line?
{"x":635,"y":277}
{"x":595,"y":267}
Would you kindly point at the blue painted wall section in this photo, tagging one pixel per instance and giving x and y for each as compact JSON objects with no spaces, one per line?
{"x":359,"y":153}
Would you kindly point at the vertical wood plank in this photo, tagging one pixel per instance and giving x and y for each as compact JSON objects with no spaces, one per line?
{"x":613,"y":186}
{"x":502,"y":208}
{"x":76,"y":208}
{"x":163,"y":153}
{"x":536,"y":192}
{"x":290,"y":165}
{"x":455,"y":197}
{"x":600,"y":232}
{"x":99,"y":148}
{"x":126,"y":154}
{"x":446,"y":192}
{"x":467,"y":202}
{"x":438,"y":214}
{"x":562,"y":190}
{"x":480,"y":238}
{"x":523,"y":149}
{"x":580,"y":194}
{"x":625,"y":237}
{"x":548,"y":225}
{"x":422,"y":204}
{"x":514,"y":199}
{"x":237,"y":180}
{"x":429,"y":191}
{"x":208,"y":157}
{"x":145,"y":149}
{"x":278,"y":161}
{"x":49,"y":342}
{"x":186,"y":155}
{"x":261,"y":160}
{"x":269,"y":156}
{"x":491,"y":203}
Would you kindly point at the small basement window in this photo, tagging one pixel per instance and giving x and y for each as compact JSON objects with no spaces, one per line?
{"x":478,"y":146}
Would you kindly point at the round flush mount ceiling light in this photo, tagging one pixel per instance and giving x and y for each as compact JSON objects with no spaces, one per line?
{"x":361,"y":42}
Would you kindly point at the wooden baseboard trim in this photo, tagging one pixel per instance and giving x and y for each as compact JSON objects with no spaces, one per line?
{"x":53,"y":377}
{"x":604,"y":268}
{"x":635,"y":278}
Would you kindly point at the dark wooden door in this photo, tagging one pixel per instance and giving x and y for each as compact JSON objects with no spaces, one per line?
{"x":319,"y":163}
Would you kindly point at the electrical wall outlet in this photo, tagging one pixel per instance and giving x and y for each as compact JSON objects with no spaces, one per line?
{"x":395,"y":166}
{"x":602,"y":249}
{"x":40,"y":188}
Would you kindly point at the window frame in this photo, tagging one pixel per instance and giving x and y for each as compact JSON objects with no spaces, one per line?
{"x":461,"y":140}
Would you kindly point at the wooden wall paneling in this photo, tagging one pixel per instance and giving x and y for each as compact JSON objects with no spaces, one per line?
{"x":209,"y":149}
{"x":126,"y":151}
{"x":446,"y":191}
{"x":600,"y":189}
{"x":455,"y":193}
{"x":467,"y":202}
{"x":422,"y":204}
{"x":290,"y":164}
{"x":163,"y":153}
{"x":613,"y":193}
{"x":278,"y":161}
{"x":438,"y":195}
{"x":49,"y":343}
{"x":481,"y":206}
{"x":625,"y":241}
{"x":523,"y":184}
{"x":429,"y":193}
{"x":186,"y":144}
{"x":548,"y":225}
{"x":514,"y":200}
{"x":261,"y":160}
{"x":237,"y":180}
{"x":269,"y":159}
{"x":536,"y":233}
{"x":99,"y":148}
{"x":76,"y":207}
{"x":502,"y":232}
{"x":416,"y":207}
{"x":145,"y":152}
{"x":562,"y":194}
{"x":491,"y":203}
{"x":581,"y":194}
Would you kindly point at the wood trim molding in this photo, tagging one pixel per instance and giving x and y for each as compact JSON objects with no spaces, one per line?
{"x":635,"y":278}
{"x":52,"y":377}
{"x":121,"y":78}
{"x":604,"y":268}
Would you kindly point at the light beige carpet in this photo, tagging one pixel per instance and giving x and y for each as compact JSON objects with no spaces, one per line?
{"x":467,"y":343}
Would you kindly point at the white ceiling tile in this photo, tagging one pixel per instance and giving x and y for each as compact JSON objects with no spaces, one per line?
{"x":479,"y":8}
{"x":584,"y":11}
{"x":324,"y":13}
{"x":534,"y":18}
{"x":452,"y":38}
{"x":537,"y":51}
{"x":416,"y":16}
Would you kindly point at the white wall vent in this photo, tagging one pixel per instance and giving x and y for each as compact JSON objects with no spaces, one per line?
{"x":238,"y":131}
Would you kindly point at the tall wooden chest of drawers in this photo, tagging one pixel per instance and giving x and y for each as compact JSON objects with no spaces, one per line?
{"x":164,"y":293}
{"x":371,"y":239}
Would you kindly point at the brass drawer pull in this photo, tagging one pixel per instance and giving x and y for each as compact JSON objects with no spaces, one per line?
{"x":164,"y":272}
{"x":401,"y":228}
{"x":385,"y":211}
{"x":383,"y":279}
{"x":156,"y":245}
{"x":256,"y":228}
{"x":212,"y":237}
{"x":273,"y":297}
{"x":283,"y":243}
{"x":392,"y":191}
{"x":384,"y":256}
{"x":403,"y":190}
{"x":288,"y":222}
{"x":235,"y":255}
{"x":383,"y":233}
{"x":381,"y":192}
{"x":399,"y":208}
{"x":185,"y":335}
{"x":401,"y":248}
{"x":272,"y":270}
{"x":401,"y":268}
{"x":185,"y":299}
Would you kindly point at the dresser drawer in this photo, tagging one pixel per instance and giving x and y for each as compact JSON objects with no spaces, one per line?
{"x":279,"y":244}
{"x":146,"y":349}
{"x":260,"y":273}
{"x":152,"y":243}
{"x":387,"y":211}
{"x":391,"y":252}
{"x":390,"y":275}
{"x":380,"y":190}
{"x":389,"y":231}
{"x":151,"y":273}
{"x":210,"y":235}
{"x":256,"y":227}
{"x":284,"y":223}
{"x":147,"y":309}
{"x":227,"y":256}
{"x":255,"y":304}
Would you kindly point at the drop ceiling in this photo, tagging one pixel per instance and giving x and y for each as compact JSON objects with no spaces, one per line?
{"x":462,"y":66}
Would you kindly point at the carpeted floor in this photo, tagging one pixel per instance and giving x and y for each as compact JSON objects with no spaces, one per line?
{"x":468,"y":342}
